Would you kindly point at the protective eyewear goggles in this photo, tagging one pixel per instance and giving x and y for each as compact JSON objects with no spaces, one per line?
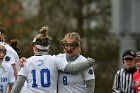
{"x":72,"y":45}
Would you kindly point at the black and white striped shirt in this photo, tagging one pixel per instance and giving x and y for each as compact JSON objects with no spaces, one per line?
{"x":123,"y":81}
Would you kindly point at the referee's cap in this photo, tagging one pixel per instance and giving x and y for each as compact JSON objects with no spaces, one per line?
{"x":129,"y":54}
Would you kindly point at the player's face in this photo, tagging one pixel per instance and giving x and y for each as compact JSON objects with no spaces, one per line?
{"x":1,"y":37}
{"x":129,"y":63}
{"x":137,"y":62}
{"x":2,"y":53}
{"x":71,"y":47}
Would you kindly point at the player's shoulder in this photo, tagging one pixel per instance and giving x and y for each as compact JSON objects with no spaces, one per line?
{"x":43,"y":57}
{"x":9,"y":48}
{"x":61,"y":55}
{"x":6,"y":66}
{"x":53,"y":57}
{"x":31,"y":58}
{"x":4,"y":44}
{"x":81,"y":57}
{"x":8,"y":57}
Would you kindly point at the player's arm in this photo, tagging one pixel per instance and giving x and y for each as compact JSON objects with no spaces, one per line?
{"x":89,"y":77}
{"x":15,"y":70}
{"x":11,"y":60}
{"x":11,"y":78}
{"x":71,"y":68}
{"x":10,"y":86}
{"x":78,"y":67}
{"x":18,"y":84}
{"x":90,"y":84}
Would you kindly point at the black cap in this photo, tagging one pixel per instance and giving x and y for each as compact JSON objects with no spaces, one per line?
{"x":129,"y":54}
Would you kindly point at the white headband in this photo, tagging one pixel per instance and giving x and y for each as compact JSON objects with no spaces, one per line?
{"x":42,"y":48}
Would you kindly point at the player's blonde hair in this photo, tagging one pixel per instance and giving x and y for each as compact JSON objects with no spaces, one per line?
{"x":72,"y":35}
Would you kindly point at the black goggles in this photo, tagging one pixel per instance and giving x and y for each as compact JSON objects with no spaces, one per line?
{"x":73,"y":44}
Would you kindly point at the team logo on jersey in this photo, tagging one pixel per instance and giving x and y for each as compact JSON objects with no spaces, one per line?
{"x":90,"y":71}
{"x":39,"y":63}
{"x":3,"y":79}
{"x":7,"y":58}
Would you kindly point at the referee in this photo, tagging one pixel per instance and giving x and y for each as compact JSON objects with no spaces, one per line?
{"x":123,"y":82}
